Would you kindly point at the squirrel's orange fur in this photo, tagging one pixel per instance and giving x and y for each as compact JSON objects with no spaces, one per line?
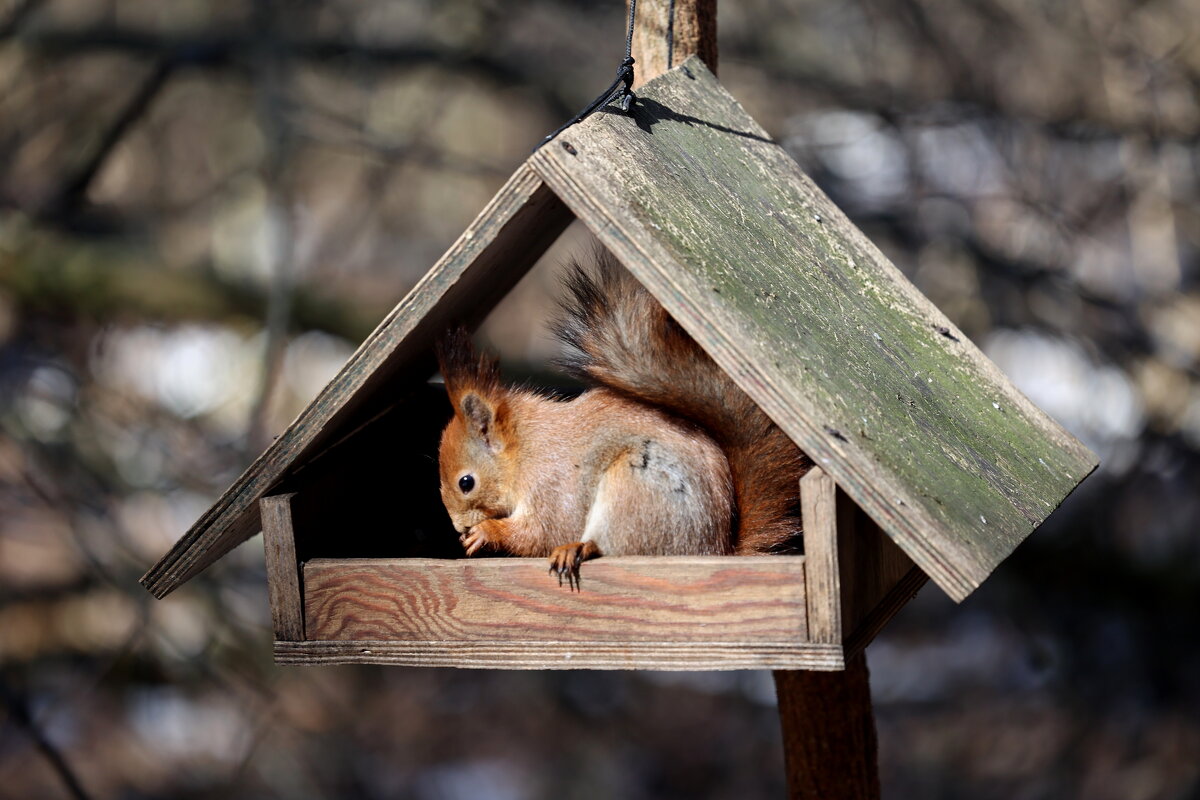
{"x":666,"y":456}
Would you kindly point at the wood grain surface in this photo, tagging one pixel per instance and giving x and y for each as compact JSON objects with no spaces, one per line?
{"x":818,"y":503}
{"x":507,"y":237}
{"x":649,"y":599}
{"x":566,"y":655}
{"x":816,"y":325}
{"x":283,"y":570}
{"x":829,"y":741}
{"x":857,"y":577}
{"x":694,"y":33}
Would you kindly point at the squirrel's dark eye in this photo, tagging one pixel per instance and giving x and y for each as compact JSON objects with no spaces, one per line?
{"x":466,"y":483}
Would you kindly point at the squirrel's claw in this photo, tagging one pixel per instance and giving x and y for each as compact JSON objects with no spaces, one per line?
{"x":572,"y":575}
{"x":566,"y":560}
{"x":478,"y":537}
{"x":472,"y":543}
{"x":568,"y":568}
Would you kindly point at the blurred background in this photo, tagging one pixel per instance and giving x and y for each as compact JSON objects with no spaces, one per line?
{"x":206,"y":204}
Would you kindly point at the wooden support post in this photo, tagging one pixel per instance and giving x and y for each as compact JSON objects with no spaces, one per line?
{"x":694,"y":33}
{"x":828,"y":726}
{"x":283,"y":569}
{"x":829,"y":740}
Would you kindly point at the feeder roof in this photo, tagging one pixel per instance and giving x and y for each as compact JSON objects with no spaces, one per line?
{"x":810,"y":319}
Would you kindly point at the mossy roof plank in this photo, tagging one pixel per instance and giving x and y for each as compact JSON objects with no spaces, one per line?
{"x":816,"y":324}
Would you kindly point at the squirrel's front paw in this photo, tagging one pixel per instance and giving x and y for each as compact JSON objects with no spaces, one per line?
{"x":566,"y":559}
{"x":490,"y":532}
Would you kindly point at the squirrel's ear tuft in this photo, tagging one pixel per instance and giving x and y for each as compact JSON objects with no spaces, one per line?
{"x":463,"y":369}
{"x":473,"y":384}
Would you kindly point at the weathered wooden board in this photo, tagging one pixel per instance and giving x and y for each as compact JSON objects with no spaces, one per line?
{"x":632,"y":613}
{"x":650,"y":599}
{"x":566,"y":655}
{"x":822,"y":576}
{"x":507,"y":237}
{"x":283,"y":570}
{"x":815,"y":324}
{"x":857,"y":578}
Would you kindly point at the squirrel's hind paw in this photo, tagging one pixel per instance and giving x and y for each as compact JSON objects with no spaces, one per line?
{"x":566,"y":559}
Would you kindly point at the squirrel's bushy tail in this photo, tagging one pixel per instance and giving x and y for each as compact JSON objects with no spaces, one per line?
{"x":617,"y":335}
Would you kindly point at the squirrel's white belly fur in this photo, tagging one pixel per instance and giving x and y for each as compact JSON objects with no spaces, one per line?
{"x":651,"y":484}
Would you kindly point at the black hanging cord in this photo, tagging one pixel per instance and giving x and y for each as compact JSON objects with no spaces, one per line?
{"x":621,"y":89}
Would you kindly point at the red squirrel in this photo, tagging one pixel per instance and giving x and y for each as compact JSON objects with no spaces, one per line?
{"x":663,"y":456}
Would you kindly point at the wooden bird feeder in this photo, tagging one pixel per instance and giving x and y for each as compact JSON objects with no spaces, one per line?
{"x":929,"y":462}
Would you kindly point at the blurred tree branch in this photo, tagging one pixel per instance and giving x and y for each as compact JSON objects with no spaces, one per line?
{"x":70,"y":196}
{"x":231,"y":49}
{"x":112,"y":290}
{"x":271,"y":76}
{"x":18,"y":711}
{"x":17,"y":17}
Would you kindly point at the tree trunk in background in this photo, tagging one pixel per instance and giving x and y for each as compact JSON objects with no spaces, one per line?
{"x":829,"y":740}
{"x":695,"y":33}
